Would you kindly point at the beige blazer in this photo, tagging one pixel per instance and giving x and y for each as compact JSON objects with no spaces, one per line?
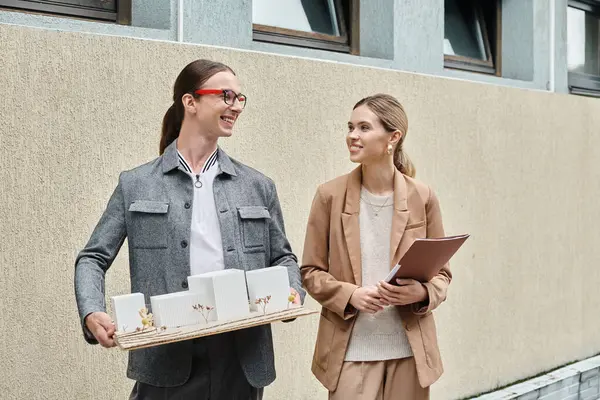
{"x":331,"y":270}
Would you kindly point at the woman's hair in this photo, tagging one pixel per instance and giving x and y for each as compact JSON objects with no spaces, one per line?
{"x":393,"y":118}
{"x":190,"y":79}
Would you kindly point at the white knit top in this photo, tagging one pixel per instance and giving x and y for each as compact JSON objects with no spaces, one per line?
{"x":379,"y":336}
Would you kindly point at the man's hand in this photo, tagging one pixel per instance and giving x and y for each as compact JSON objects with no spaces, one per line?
{"x":409,"y":292}
{"x":102,"y":327}
{"x":367,"y":299}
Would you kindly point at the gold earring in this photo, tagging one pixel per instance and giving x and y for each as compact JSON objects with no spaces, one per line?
{"x":390,"y":149}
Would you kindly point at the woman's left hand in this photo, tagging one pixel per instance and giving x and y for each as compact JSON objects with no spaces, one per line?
{"x":410,"y":291}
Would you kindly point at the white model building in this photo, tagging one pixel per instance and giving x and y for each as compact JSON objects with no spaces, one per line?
{"x":213,"y":296}
{"x":273,"y":282}
{"x":126,"y":311}
{"x":176,"y":309}
{"x":224,"y":290}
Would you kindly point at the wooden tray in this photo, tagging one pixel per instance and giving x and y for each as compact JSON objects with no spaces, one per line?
{"x":156,"y":336}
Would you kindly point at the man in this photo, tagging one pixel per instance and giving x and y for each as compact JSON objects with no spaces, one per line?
{"x":189,"y":211}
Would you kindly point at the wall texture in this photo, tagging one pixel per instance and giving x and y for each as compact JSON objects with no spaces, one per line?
{"x":516,"y":169}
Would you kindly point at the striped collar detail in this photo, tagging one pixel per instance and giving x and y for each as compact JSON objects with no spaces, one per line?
{"x":183,"y":164}
{"x":212,"y":160}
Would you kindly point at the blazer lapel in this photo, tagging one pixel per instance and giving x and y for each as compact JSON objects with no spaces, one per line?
{"x":399,"y":218}
{"x":350,"y":223}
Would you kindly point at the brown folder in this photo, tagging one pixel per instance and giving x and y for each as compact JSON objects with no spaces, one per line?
{"x":425,"y":258}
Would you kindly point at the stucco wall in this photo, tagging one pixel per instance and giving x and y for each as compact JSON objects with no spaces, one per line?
{"x":516,"y":169}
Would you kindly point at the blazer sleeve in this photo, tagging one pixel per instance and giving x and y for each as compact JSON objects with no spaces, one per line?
{"x":438,"y":286}
{"x":96,"y":258}
{"x":319,"y":283}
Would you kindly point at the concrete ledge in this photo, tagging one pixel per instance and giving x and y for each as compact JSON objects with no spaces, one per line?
{"x":579,"y":381}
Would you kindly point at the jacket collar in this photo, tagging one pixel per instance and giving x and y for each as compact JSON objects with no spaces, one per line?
{"x":225,"y":163}
{"x":171,"y":160}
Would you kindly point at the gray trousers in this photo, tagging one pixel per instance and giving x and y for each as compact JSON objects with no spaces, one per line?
{"x":216,"y":375}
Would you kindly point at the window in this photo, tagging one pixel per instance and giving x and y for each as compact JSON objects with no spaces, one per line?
{"x":105,"y":10}
{"x":583,"y":47}
{"x":319,"y":24}
{"x":472,"y":35}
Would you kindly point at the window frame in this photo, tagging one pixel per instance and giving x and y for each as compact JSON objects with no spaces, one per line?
{"x":493,"y":64}
{"x":347,"y":42}
{"x":122,"y":16}
{"x":584,"y":84}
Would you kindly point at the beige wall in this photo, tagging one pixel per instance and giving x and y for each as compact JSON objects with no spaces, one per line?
{"x":518,"y":170}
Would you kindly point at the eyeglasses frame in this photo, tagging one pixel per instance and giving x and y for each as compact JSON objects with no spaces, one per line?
{"x":201,"y":92}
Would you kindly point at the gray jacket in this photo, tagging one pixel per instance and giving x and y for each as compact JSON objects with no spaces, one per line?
{"x":152,"y":207}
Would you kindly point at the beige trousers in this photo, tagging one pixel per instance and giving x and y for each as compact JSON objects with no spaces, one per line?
{"x":380,"y":380}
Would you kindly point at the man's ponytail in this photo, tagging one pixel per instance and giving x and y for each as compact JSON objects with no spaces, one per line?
{"x":171,"y":126}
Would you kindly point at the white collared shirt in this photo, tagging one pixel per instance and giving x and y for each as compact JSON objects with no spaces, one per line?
{"x":206,"y":247}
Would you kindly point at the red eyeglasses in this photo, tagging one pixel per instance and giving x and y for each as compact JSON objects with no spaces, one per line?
{"x":229,"y":96}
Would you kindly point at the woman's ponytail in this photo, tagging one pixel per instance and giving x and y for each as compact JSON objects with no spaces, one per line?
{"x":402,"y":161}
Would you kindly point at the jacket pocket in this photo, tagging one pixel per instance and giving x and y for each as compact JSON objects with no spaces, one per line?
{"x":415,"y":225}
{"x":325,"y":335}
{"x":254,"y":227}
{"x":148,"y":224}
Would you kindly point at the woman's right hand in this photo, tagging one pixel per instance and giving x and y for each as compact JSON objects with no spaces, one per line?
{"x":102,"y":327}
{"x":367,"y":299}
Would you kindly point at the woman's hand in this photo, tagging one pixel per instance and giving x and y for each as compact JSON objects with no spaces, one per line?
{"x":367,"y":299}
{"x":409,"y":292}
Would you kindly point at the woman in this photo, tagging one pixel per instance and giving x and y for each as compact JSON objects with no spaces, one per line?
{"x":189,"y":211}
{"x":375,"y":340}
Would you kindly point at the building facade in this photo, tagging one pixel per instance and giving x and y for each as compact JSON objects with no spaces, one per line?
{"x":549,"y":45}
{"x":504,"y":123}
